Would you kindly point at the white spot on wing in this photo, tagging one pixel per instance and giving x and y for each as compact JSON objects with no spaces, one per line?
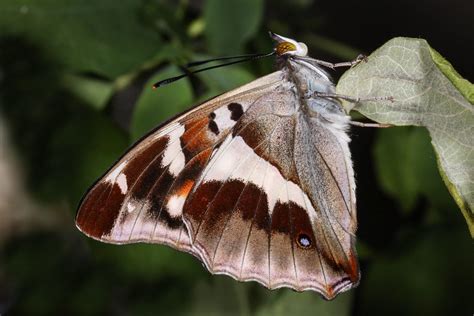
{"x":222,"y":118}
{"x":173,"y":155}
{"x":122,"y":183}
{"x":114,"y":174}
{"x":175,"y":205}
{"x":131,"y":206}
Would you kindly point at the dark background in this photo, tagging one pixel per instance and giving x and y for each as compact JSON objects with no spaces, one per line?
{"x":75,"y":92}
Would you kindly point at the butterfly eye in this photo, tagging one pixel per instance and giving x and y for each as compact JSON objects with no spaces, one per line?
{"x":304,"y":241}
{"x":284,"y":47}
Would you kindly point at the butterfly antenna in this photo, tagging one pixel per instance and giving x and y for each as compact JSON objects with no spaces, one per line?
{"x":205,"y":61}
{"x":244,"y":58}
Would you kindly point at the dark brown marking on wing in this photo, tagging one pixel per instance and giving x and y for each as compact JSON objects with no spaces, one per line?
{"x":302,"y":226}
{"x":157,"y":196}
{"x":170,"y":221}
{"x":249,"y":200}
{"x":280,"y":221}
{"x":100,"y":208}
{"x":213,"y":127}
{"x":198,"y":202}
{"x":206,"y":197}
{"x":282,"y":265}
{"x":136,"y":165}
{"x":224,"y":202}
{"x":216,"y":217}
{"x":236,"y":110}
{"x":148,"y":179}
{"x":96,"y":217}
{"x":262,"y":217}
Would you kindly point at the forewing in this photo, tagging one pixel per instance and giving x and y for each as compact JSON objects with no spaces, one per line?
{"x":140,"y":198}
{"x":250,"y":218}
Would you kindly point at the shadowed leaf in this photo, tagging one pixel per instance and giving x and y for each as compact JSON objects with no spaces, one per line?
{"x":105,"y":37}
{"x":406,"y":167}
{"x":157,"y":105}
{"x":230,"y":23}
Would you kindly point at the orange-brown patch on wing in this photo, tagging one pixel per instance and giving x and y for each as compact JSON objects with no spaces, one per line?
{"x":185,"y":188}
{"x":195,"y":137}
{"x":353,"y":272}
{"x":198,"y":203}
{"x":184,"y":183}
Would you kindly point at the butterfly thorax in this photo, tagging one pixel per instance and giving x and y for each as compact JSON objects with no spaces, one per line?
{"x":308,"y":80}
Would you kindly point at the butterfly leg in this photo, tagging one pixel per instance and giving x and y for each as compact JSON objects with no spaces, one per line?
{"x":377,"y":125}
{"x":351,"y":99}
{"x":352,"y":63}
{"x":357,"y":100}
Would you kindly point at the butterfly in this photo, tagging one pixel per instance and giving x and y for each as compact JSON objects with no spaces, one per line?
{"x":257,"y":183}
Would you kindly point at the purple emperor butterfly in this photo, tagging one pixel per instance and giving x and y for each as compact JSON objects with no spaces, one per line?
{"x":257,"y":183}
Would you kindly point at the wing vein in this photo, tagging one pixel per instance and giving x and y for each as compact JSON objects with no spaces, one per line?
{"x":324,"y":212}
{"x":312,"y":227}
{"x":155,"y":184}
{"x":348,"y":209}
{"x":233,"y":210}
{"x":218,"y":155}
{"x":292,"y":232}
{"x":253,"y":220}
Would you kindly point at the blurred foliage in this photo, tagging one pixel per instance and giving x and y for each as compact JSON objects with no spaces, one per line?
{"x":230,"y":23}
{"x":412,"y":172}
{"x":74,"y":32}
{"x":75,"y":91}
{"x":153,"y":107}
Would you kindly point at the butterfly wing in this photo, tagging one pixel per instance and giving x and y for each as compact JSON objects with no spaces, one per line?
{"x":275,"y":203}
{"x":238,"y":183}
{"x":140,"y":198}
{"x":325,"y":173}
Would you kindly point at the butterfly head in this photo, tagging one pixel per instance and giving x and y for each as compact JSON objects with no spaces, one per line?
{"x":286,"y":46}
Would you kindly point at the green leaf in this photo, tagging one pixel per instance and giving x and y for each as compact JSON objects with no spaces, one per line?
{"x":156,"y":106}
{"x":221,"y":80}
{"x":230,"y":23}
{"x":463,"y":85}
{"x":105,"y":37}
{"x":395,"y":157}
{"x":404,"y":69}
{"x":90,"y":148}
{"x":94,"y":92}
